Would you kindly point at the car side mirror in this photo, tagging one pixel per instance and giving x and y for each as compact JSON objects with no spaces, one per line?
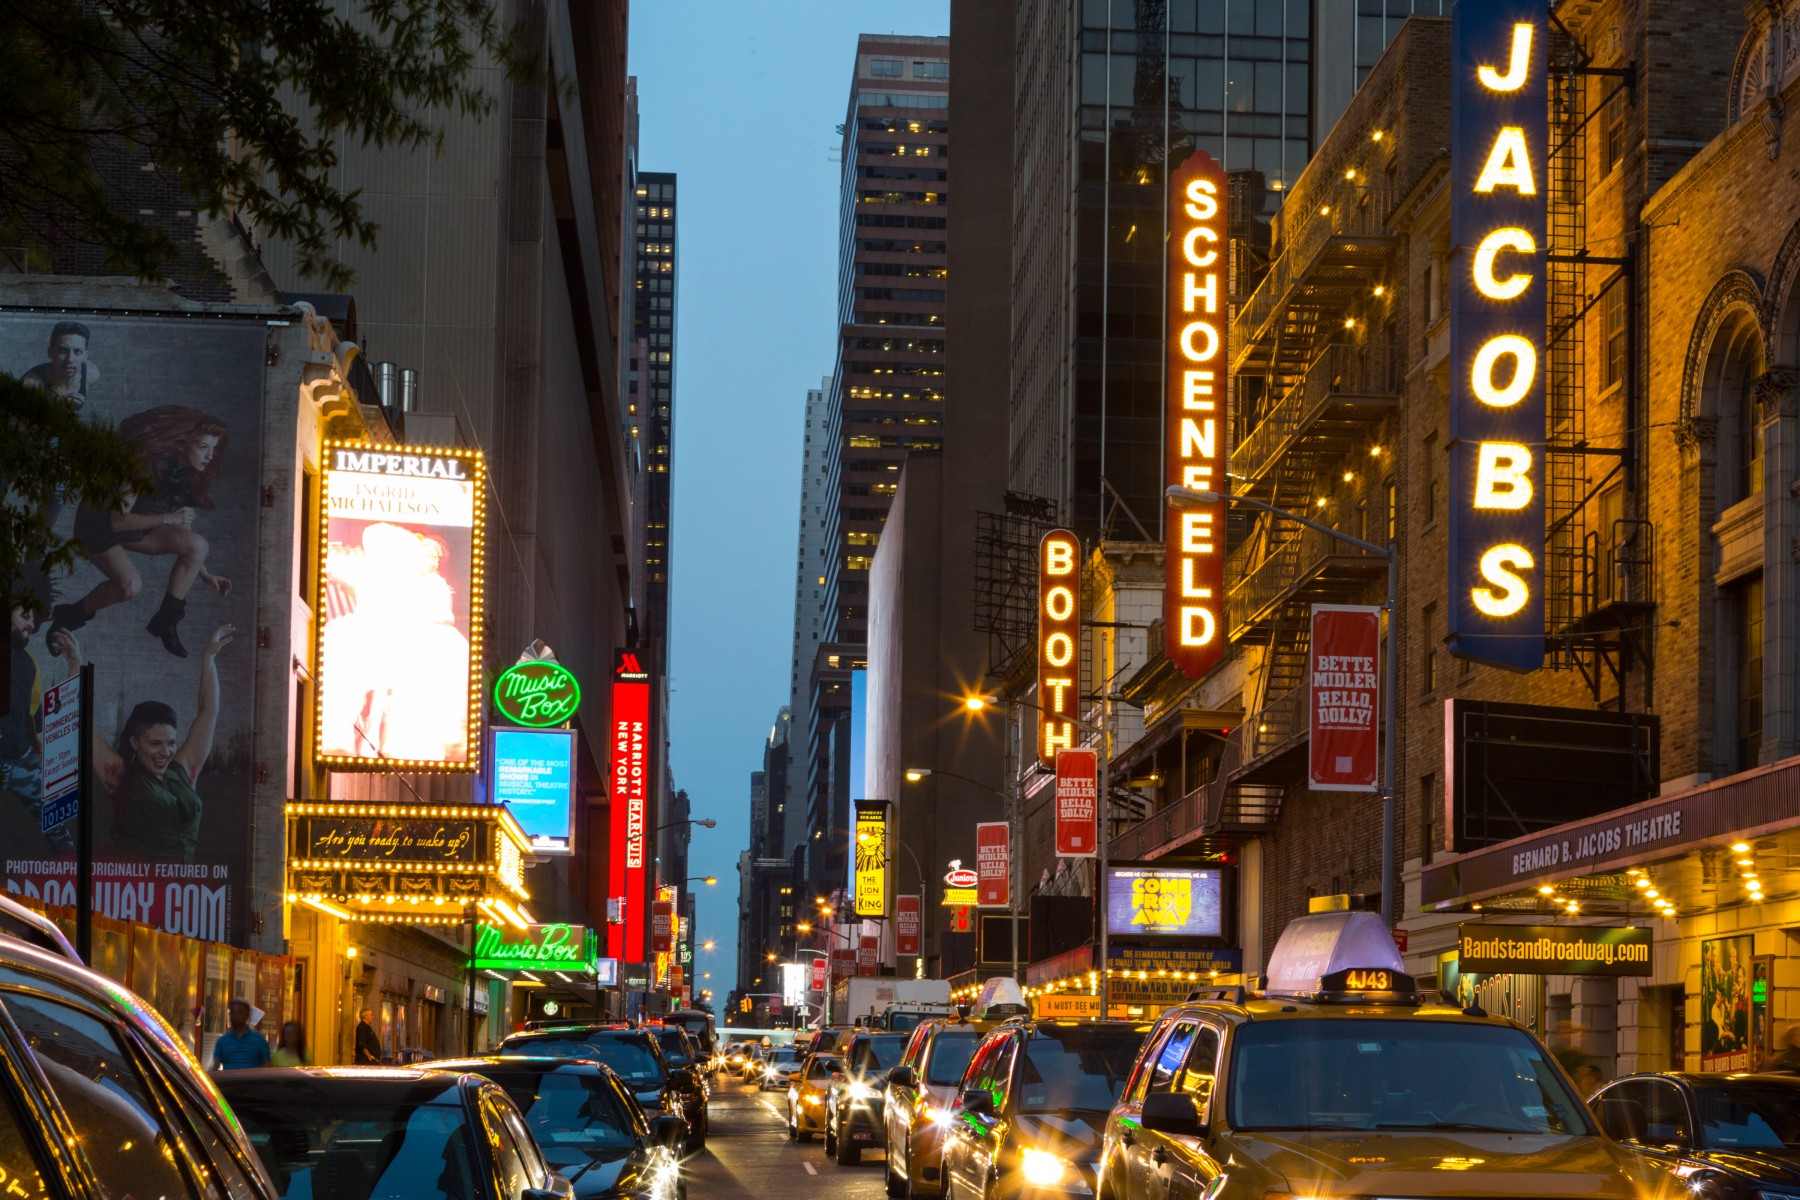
{"x":556,"y":1188}
{"x":977,"y":1101}
{"x":1171,"y":1112}
{"x":682,"y":1080}
{"x":668,"y":1131}
{"x":903,"y":1077}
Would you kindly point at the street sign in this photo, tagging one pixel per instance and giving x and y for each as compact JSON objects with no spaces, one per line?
{"x":62,"y":753}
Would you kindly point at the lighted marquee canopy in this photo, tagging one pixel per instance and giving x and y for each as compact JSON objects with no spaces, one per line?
{"x":407,"y":864}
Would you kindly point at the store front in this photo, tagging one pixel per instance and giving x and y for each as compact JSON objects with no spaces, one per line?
{"x":1706,"y":878}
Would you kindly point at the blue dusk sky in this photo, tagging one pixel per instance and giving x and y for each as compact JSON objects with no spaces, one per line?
{"x":742,"y":102}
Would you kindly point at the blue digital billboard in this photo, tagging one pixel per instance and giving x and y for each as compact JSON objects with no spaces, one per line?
{"x":534,"y":776}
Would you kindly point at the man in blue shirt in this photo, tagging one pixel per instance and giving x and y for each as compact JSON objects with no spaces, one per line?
{"x":240,"y":1046}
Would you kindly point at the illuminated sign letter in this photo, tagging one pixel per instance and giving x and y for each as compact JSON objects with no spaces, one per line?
{"x":1198,"y":358}
{"x":1499,"y":134}
{"x":1059,"y":639}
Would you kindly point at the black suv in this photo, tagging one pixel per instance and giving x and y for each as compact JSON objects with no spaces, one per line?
{"x":854,"y":1104}
{"x":1726,"y":1136}
{"x":636,"y":1057}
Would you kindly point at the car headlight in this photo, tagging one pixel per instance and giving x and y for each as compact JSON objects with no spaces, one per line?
{"x":862,"y":1093}
{"x":813,"y":1098}
{"x":937,"y":1116}
{"x":1045,"y":1170}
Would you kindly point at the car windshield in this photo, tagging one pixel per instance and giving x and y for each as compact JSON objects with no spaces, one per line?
{"x":316,"y":1151}
{"x":631,"y":1057}
{"x":950,"y":1054}
{"x":786,"y":1056}
{"x":1755,"y":1116}
{"x":906,"y":1022}
{"x":573,"y":1116}
{"x":1079,"y":1068}
{"x":674,"y":1048}
{"x":1379,"y":1075}
{"x":879,"y":1053}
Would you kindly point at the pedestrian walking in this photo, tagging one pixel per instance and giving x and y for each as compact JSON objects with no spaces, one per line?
{"x":291,"y":1051}
{"x":240,"y":1046}
{"x":368,"y":1045}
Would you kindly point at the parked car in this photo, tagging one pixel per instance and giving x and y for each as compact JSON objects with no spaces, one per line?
{"x":1034,"y":1103}
{"x":854,"y":1103}
{"x":921,"y":1094}
{"x":636,"y":1057}
{"x":589,"y":1126}
{"x":83,"y":1054}
{"x":388,"y":1131}
{"x":1727,"y":1137}
{"x":806,"y":1096}
{"x":784,"y":1062}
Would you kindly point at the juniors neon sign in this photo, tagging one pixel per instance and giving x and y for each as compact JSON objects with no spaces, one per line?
{"x":1499,"y":129}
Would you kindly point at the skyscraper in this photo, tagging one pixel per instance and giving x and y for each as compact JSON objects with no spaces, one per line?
{"x":653,"y":323}
{"x":810,"y":627}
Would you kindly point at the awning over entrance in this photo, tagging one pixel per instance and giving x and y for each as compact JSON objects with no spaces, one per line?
{"x":1734,"y":841}
{"x":407,"y":864}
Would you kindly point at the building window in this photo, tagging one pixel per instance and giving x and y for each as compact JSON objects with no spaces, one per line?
{"x":1428,"y":672}
{"x":930,"y":70}
{"x":1612,"y":131}
{"x":1612,"y":327}
{"x":1747,"y":599}
{"x":1429,"y":811}
{"x":1428,"y":478}
{"x":886,"y":68}
{"x":1393,"y":511}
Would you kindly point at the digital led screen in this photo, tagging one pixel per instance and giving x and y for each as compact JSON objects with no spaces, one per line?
{"x":1146,"y":901}
{"x":533,"y":774}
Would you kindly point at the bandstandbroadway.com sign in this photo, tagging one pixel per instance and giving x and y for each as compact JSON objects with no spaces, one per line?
{"x":1485,"y":949}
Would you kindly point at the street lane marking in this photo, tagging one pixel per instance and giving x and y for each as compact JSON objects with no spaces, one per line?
{"x":808,"y":1166}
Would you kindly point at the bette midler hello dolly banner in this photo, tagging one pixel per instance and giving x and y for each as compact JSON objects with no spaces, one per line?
{"x":162,"y":603}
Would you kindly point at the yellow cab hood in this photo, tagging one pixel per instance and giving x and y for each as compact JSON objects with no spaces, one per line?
{"x":1328,"y":1163}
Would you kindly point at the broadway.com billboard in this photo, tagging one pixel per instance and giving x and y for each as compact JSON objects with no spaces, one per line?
{"x":164,"y":606}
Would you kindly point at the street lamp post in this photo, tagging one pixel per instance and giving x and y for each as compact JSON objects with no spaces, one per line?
{"x":1181,"y":497}
{"x":1103,"y":802}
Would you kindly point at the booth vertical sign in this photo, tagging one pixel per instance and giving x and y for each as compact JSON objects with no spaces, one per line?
{"x":1499,"y":135}
{"x":1344,"y":703}
{"x":1077,"y":790}
{"x":869,"y":884}
{"x":1198,"y":370}
{"x":993,"y":864}
{"x":1059,"y":642}
{"x":629,"y":779}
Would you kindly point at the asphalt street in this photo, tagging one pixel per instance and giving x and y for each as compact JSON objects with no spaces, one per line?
{"x":748,"y":1155}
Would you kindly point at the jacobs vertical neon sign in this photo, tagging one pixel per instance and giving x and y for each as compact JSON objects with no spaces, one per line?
{"x":1059,"y":642}
{"x":1198,"y":319}
{"x":1499,"y":132}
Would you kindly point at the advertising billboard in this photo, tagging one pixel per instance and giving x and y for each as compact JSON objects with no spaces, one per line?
{"x":993,"y":864}
{"x":869,"y":884}
{"x":1499,"y":137}
{"x":533,"y":774}
{"x":1059,"y":642}
{"x":628,"y":774}
{"x":1151,"y":901}
{"x":1490,"y":948}
{"x":162,"y":600}
{"x":1344,"y":741}
{"x":551,"y":947}
{"x":1077,"y":790}
{"x":399,"y":608}
{"x":1198,"y":373}
{"x":907,"y":915}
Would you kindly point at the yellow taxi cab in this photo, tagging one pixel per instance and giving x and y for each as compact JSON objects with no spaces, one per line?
{"x":922,"y":1091}
{"x":806,"y":1096}
{"x":1340,"y":1080}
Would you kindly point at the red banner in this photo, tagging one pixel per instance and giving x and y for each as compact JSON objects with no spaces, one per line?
{"x":843,"y":964}
{"x":818,"y":975}
{"x":662,"y":927}
{"x":1199,"y":318}
{"x":626,"y":879}
{"x":868,"y":956}
{"x":1345,"y":703}
{"x":906,"y":925}
{"x":1059,"y":642}
{"x":1077,"y":790}
{"x":993,"y":865}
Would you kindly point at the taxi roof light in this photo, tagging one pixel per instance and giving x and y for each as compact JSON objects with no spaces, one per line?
{"x":1000,"y":997}
{"x":1336,"y":957}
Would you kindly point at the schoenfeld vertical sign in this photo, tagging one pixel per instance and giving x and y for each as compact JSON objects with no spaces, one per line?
{"x":1499,"y":132}
{"x":1198,"y":317}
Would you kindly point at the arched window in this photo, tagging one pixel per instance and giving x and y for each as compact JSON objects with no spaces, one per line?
{"x":1732,"y":370}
